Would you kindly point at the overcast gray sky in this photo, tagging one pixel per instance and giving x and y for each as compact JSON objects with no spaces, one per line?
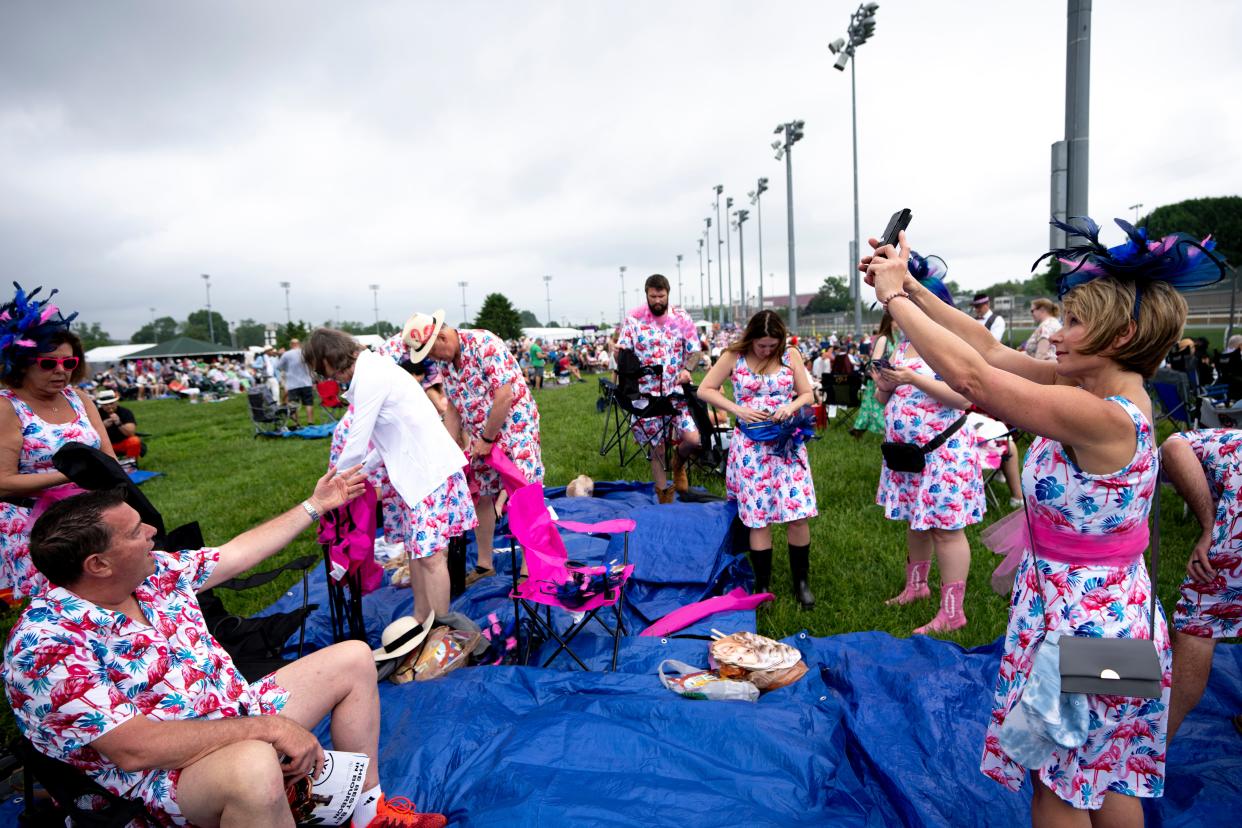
{"x":416,"y":145}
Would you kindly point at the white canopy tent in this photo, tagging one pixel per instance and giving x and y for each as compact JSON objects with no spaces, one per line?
{"x":556,"y":334}
{"x":108,"y":356}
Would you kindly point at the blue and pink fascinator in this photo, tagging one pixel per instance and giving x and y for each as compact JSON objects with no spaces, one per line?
{"x":1179,"y":259}
{"x":930,"y":271}
{"x":27,"y":326}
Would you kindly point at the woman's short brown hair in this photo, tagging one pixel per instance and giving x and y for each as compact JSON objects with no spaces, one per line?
{"x":17,"y":374}
{"x":1047,"y":306}
{"x":1105,"y":307}
{"x":329,"y":347}
{"x":762,"y":325}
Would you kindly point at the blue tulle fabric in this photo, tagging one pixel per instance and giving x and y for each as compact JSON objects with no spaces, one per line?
{"x":787,"y":435}
{"x":27,"y":325}
{"x":1179,"y":259}
{"x":930,"y":271}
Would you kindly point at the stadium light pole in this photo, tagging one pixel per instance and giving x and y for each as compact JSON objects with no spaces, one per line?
{"x":700,"y":279}
{"x":756,"y":198}
{"x":742,"y":215}
{"x":463,"y":286}
{"x":288,"y":313}
{"x":375,"y":305}
{"x":621,"y":308}
{"x":729,"y":259}
{"x":718,"y":189}
{"x":681,"y":296}
{"x":707,"y":234}
{"x":338,"y":316}
{"x":784,"y":149}
{"x":547,"y":292}
{"x":152,"y":317}
{"x":1135,"y":207}
{"x":211,"y":328}
{"x":862,"y":26}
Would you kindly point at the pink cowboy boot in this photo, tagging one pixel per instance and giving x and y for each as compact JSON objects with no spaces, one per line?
{"x":916,"y":583}
{"x":950,"y":617}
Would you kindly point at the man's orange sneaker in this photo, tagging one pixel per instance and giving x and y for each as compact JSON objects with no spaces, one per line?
{"x":399,"y":812}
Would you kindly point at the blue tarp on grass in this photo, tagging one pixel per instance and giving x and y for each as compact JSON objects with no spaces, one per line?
{"x":881,"y":731}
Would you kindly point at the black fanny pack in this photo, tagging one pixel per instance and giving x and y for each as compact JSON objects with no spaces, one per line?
{"x":909,"y":458}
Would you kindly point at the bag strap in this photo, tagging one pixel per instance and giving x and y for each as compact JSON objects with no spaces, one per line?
{"x":939,"y":440}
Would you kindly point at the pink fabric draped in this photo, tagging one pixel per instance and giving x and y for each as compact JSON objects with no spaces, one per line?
{"x":1010,"y":537}
{"x":349,"y":534}
{"x":679,"y":619}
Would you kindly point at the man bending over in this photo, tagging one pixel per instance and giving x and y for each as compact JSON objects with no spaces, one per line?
{"x":113,"y":671}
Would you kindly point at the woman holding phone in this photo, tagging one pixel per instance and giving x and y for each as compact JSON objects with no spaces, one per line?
{"x":1088,"y":481}
{"x":946,"y":495}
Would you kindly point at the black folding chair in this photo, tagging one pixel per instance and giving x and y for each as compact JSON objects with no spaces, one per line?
{"x":78,"y":799}
{"x":623,"y":403}
{"x":266,"y":414}
{"x":845,"y":392}
{"x":713,"y":454}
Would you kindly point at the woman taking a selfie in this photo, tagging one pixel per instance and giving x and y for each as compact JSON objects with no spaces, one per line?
{"x":931,"y":477}
{"x":771,"y":482}
{"x":1087,"y":482}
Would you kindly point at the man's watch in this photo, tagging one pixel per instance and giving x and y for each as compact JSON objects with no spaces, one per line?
{"x":310,"y":510}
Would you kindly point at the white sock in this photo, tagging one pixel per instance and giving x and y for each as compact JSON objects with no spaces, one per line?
{"x":368,"y":806}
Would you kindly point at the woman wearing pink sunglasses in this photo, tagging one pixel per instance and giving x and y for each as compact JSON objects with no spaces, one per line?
{"x":42,"y":361}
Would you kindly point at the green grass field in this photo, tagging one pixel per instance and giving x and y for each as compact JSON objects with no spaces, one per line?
{"x":218,"y":474}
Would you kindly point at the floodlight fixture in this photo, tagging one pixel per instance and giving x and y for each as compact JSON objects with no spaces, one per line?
{"x":836,"y":45}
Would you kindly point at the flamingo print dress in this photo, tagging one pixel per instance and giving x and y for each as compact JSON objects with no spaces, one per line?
{"x":768,"y":487}
{"x":1125,"y":746}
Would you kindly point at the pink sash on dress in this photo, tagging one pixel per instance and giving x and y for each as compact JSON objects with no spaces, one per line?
{"x":1009,"y":537}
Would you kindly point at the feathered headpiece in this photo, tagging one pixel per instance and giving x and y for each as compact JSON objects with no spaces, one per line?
{"x":930,"y":271}
{"x":27,"y":326}
{"x":1178,"y":259}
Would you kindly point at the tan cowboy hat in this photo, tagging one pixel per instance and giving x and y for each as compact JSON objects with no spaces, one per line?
{"x":403,"y":636}
{"x":419,"y":333}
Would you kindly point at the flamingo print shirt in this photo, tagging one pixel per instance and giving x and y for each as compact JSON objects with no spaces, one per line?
{"x":73,"y":670}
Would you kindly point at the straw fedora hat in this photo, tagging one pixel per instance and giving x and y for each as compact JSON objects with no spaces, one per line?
{"x":419,"y":333}
{"x":403,"y":636}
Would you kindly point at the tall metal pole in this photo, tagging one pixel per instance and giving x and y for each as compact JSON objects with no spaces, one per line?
{"x":1077,"y":102}
{"x":708,"y":235}
{"x":855,"y":280}
{"x":700,"y":276}
{"x":547,"y":291}
{"x":288,"y":313}
{"x":793,"y":290}
{"x":338,"y":316}
{"x":211,"y":328}
{"x":681,"y":296}
{"x":719,"y":244}
{"x":759,"y":226}
{"x":741,"y":261}
{"x":622,"y":308}
{"x":375,"y":305}
{"x":464,"y":317}
{"x":729,"y":257}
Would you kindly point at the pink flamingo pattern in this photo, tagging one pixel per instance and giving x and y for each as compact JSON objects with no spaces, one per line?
{"x":948,"y":493}
{"x":768,"y":487}
{"x":1125,"y":746}
{"x":1214,"y":609}
{"x":486,"y":366}
{"x":423,"y":528}
{"x":665,"y":342}
{"x":74,"y":670}
{"x":40,"y":440}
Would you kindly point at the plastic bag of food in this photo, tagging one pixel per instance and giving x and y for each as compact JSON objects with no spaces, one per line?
{"x":693,"y":683}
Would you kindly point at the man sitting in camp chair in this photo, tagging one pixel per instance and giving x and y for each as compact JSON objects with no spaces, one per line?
{"x":113,"y":671}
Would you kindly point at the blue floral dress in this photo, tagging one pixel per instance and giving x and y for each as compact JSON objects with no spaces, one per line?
{"x":40,"y":441}
{"x":1125,"y":746}
{"x":768,"y":487}
{"x":948,"y":493}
